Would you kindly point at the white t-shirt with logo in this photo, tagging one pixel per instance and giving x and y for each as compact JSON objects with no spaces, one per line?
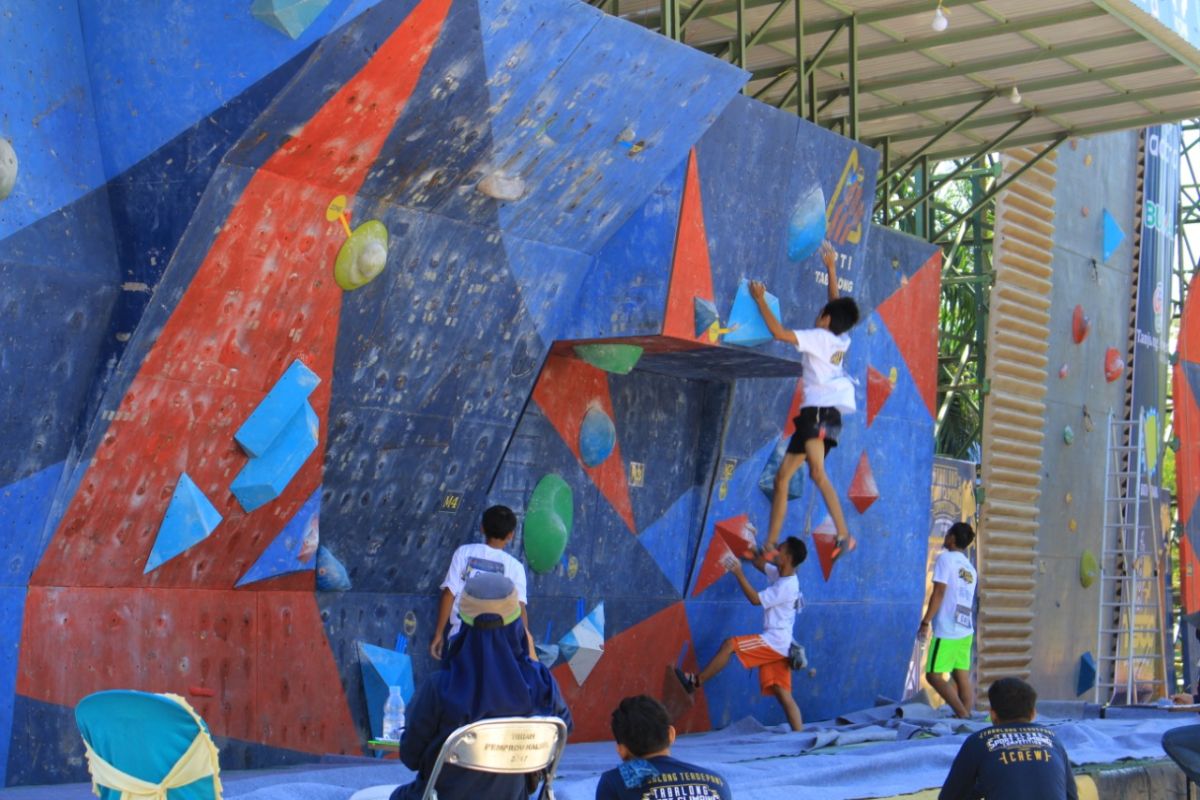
{"x":826,"y":383}
{"x":781,"y":601}
{"x":955,"y":617}
{"x":471,"y":559}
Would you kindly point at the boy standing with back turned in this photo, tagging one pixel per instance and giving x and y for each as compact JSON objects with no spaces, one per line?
{"x":499,"y":525}
{"x":828,"y":393}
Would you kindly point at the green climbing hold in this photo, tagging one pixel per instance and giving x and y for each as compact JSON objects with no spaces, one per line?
{"x":362,"y":257}
{"x":618,"y":358}
{"x":548,"y":521}
{"x":1089,"y":570}
{"x":1068,"y":435}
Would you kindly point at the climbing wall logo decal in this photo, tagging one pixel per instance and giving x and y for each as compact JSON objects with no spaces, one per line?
{"x":844,"y":214}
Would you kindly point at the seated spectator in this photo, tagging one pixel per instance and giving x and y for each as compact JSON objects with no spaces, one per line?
{"x":644,"y":735}
{"x":1014,"y":759}
{"x":487,"y":674}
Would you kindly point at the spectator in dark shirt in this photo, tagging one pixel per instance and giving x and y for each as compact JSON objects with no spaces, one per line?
{"x":644,"y":735}
{"x":1014,"y":759}
{"x":488,"y":673}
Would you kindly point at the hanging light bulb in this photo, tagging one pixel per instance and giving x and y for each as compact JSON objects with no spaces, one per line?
{"x":940,"y":20}
{"x":1014,"y":96}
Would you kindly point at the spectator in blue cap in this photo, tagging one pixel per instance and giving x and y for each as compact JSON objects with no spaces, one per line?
{"x":488,"y":674}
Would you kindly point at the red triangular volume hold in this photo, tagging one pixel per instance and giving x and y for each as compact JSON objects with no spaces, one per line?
{"x":691,"y":270}
{"x":879,"y":389}
{"x":712,"y":569}
{"x":739,"y":535}
{"x":863,"y":489}
{"x":825,"y":544}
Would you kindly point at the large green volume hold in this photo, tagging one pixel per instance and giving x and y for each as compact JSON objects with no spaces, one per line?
{"x":548,"y":522}
{"x":618,"y":358}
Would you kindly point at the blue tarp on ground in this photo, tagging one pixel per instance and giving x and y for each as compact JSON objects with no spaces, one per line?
{"x":876,"y":752}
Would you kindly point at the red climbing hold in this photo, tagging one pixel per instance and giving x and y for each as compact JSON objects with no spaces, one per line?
{"x":825,"y":543}
{"x":1114,"y":365}
{"x":879,"y":389}
{"x":739,"y":535}
{"x":863,"y":489}
{"x":713,"y":568}
{"x":1080,"y":325}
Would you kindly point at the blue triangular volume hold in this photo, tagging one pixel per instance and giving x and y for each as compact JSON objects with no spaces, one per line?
{"x":1087,"y":674}
{"x":746,"y":324}
{"x":294,"y":549}
{"x":1113,"y":235}
{"x":290,"y":17}
{"x":190,"y":518}
{"x":706,"y":315}
{"x":382,"y":668}
{"x":265,"y":477}
{"x":271,"y":417}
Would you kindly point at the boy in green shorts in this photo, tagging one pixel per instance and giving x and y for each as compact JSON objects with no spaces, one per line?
{"x":951,"y":615}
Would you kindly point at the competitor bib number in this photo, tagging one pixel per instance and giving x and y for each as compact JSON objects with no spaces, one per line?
{"x":962,"y":615}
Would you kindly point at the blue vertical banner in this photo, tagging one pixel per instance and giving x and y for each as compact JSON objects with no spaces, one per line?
{"x":1160,"y":201}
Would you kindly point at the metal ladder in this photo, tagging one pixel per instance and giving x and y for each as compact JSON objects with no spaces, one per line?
{"x":1130,"y":652}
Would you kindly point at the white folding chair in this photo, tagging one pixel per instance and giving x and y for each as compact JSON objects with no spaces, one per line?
{"x":506,"y":745}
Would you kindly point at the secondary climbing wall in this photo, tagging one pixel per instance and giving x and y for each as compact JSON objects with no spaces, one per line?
{"x":333,"y":343}
{"x":1094,"y":199}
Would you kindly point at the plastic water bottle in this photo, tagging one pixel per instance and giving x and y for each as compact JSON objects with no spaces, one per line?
{"x":393,"y":715}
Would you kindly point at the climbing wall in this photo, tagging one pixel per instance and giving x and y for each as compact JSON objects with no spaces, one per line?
{"x":411,"y":263}
{"x":1088,"y":313}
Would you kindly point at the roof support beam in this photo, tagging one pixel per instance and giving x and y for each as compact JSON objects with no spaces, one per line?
{"x":953,"y":36}
{"x":982,"y":65}
{"x":1040,"y":137}
{"x":852,"y":76}
{"x":1028,"y":88}
{"x":949,"y":129}
{"x":731,"y":47}
{"x":989,"y":147}
{"x":1084,"y":104}
{"x":997,"y":187}
{"x":721,"y":7}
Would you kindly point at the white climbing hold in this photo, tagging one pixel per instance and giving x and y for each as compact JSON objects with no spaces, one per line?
{"x":8,"y":168}
{"x":502,"y":187}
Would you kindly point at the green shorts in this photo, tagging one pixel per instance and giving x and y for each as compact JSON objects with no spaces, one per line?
{"x":947,"y":655}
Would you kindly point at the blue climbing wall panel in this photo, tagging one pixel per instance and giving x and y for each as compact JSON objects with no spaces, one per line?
{"x":168,"y":254}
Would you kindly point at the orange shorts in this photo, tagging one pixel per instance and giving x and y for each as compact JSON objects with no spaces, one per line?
{"x":773,"y":669}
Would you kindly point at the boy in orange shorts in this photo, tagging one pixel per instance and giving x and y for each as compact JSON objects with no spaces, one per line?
{"x":769,"y":651}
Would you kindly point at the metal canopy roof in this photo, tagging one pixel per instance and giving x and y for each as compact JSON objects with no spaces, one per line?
{"x":1081,"y":67}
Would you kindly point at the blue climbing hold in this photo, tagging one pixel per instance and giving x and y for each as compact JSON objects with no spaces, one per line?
{"x":290,"y":17}
{"x":190,"y":518}
{"x":1087,"y":673}
{"x":597,"y":437}
{"x":806,"y":228}
{"x":331,"y":574}
{"x":747,"y":326}
{"x":706,"y":315}
{"x":1113,"y":235}
{"x":381,"y":669}
{"x":293,"y":550}
{"x":264,"y":478}
{"x":277,"y":409}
